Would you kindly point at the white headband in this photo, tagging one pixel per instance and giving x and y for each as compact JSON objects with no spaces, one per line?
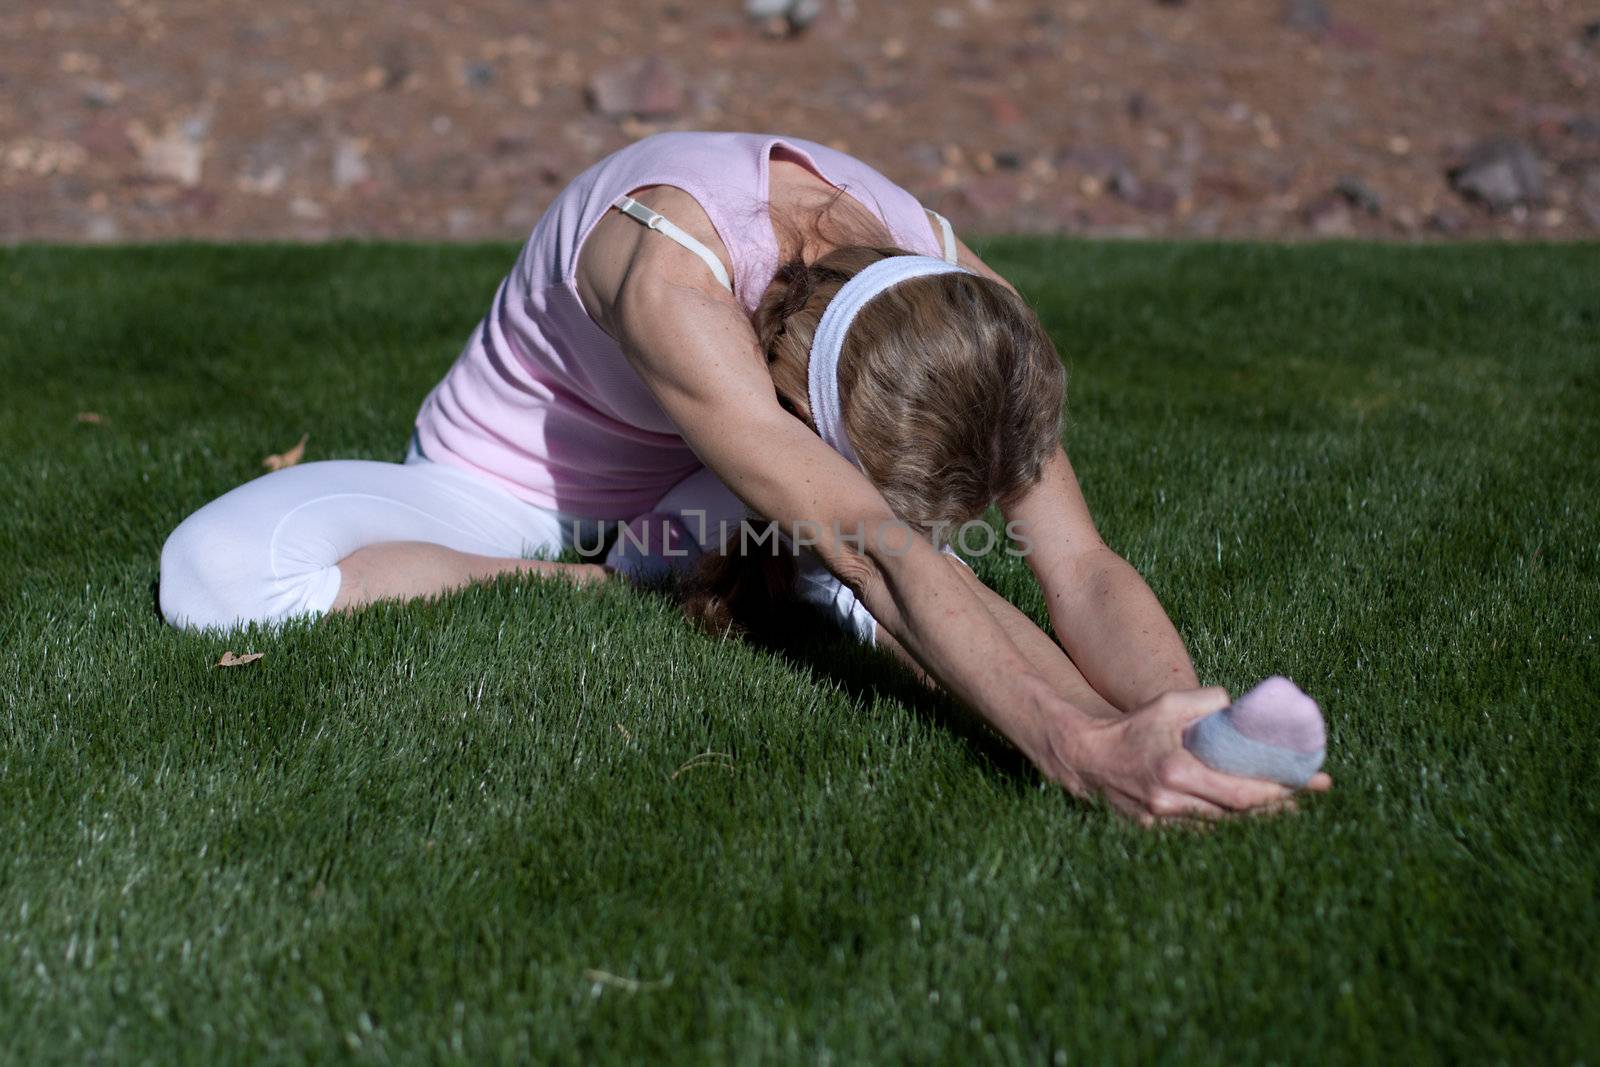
{"x":828,"y":340}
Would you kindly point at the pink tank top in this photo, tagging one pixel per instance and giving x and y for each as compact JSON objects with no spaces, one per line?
{"x":543,"y":402}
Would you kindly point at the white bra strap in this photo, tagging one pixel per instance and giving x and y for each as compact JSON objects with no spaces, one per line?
{"x":666,"y":227}
{"x":949,"y":237}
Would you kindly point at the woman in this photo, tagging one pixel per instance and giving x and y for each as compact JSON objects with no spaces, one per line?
{"x":710,"y":327}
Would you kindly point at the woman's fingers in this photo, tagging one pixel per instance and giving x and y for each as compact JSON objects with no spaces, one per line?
{"x":1167,"y":804}
{"x":1320,"y":783}
{"x":1164,"y":806}
{"x":1186,"y":705}
{"x":1185,"y":773}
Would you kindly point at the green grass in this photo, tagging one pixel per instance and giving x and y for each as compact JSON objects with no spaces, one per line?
{"x":415,"y":834}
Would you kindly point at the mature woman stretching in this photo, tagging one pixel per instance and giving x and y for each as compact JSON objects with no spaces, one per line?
{"x":709,"y":327}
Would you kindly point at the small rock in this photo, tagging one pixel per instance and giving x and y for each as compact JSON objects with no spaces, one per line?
{"x":1500,"y":173}
{"x":1359,"y":195}
{"x":350,"y":162}
{"x":1309,"y":15}
{"x":78,"y":63}
{"x":196,"y":126}
{"x":645,"y":87}
{"x":175,"y":154}
{"x":1138,"y":106}
{"x":394,"y":68}
{"x":783,"y":18}
{"x":101,"y":228}
{"x":1446,"y":220}
{"x":306,"y":209}
{"x":477,"y":75}
{"x":103,"y":93}
{"x":265,"y":181}
{"x":1125,"y":185}
{"x":1583,"y":127}
{"x":1591,"y":32}
{"x":1008,"y":160}
{"x":1329,"y":216}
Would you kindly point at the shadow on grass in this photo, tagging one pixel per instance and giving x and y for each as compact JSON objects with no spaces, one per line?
{"x":809,"y":642}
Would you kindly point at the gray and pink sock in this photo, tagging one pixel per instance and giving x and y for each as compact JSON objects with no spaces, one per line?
{"x":1274,"y":732}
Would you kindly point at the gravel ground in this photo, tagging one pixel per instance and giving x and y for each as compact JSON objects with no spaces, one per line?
{"x":154,"y":119}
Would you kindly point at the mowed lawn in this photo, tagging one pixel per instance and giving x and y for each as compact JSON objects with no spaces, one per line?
{"x":476,"y":831}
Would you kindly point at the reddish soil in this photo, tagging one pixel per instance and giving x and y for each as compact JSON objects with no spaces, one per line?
{"x":139,"y":119}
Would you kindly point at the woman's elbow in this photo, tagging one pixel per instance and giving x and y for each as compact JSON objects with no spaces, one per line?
{"x":860,"y":574}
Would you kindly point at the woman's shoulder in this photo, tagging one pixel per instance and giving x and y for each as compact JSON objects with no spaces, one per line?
{"x":620,"y":255}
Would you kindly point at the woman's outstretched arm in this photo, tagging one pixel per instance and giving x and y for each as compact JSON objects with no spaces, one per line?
{"x":693,"y":347}
{"x":1036,"y":646}
{"x":1103,"y":612}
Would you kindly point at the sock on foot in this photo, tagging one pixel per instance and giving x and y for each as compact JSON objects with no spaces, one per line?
{"x":1274,"y":732}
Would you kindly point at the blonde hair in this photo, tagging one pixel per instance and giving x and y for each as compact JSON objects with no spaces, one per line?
{"x":952,"y":397}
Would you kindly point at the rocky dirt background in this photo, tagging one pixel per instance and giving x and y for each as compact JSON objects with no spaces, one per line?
{"x":155,"y":119}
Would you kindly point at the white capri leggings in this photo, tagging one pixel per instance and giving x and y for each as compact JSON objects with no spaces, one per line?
{"x":269,"y":550}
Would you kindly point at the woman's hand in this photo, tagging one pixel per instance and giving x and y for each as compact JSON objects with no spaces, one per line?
{"x":1139,"y":765}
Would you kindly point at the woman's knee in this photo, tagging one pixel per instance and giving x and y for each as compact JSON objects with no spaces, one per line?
{"x":217,"y":571}
{"x":199,"y":561}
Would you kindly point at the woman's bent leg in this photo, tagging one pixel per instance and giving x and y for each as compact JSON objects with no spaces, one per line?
{"x":404,"y":570}
{"x":701,"y":514}
{"x":272,"y":548}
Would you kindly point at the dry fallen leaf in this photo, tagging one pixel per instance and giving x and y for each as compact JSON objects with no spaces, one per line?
{"x":92,"y":417}
{"x":230,"y":660}
{"x":287,"y":459}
